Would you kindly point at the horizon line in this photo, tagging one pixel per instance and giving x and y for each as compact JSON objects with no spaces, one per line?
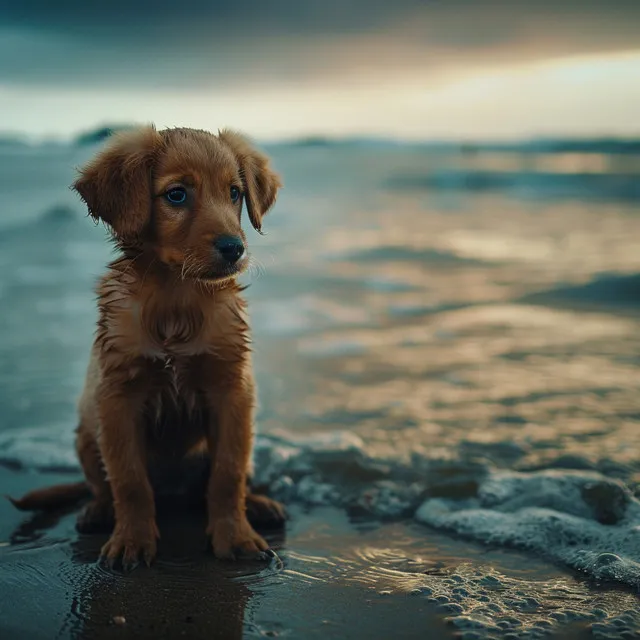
{"x":324,"y":138}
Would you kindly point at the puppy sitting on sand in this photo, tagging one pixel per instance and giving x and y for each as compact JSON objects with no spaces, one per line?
{"x":170,"y":375}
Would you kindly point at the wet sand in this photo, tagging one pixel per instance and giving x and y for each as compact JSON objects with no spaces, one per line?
{"x":334,"y":577}
{"x":52,"y":587}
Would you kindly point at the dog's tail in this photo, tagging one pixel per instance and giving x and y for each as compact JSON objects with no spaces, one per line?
{"x":52,"y":498}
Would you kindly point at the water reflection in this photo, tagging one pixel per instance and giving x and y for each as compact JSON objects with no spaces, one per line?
{"x":186,"y":592}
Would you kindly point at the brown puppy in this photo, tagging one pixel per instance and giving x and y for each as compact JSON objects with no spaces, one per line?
{"x":170,"y":374}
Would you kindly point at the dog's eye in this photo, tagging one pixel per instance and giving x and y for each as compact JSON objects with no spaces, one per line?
{"x":177,"y":195}
{"x":234,"y":192}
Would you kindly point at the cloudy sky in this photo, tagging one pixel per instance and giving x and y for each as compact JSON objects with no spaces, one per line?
{"x":415,"y":69}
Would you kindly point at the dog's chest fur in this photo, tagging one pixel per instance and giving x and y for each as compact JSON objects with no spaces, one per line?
{"x":173,"y":340}
{"x":168,"y":333}
{"x":177,"y":342}
{"x":176,"y":339}
{"x":171,"y":323}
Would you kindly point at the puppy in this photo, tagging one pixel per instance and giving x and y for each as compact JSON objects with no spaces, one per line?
{"x":170,"y":375}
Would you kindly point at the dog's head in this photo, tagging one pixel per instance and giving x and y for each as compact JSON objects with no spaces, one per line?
{"x":179,"y":193}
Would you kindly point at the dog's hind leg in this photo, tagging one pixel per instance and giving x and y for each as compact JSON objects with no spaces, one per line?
{"x":264,"y":512}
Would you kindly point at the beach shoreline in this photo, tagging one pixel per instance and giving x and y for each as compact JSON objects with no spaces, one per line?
{"x":336,"y":577}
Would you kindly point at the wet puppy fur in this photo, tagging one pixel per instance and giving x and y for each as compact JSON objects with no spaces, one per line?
{"x":170,"y":377}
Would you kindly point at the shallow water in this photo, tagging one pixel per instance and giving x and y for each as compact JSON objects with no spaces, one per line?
{"x":428,"y":353}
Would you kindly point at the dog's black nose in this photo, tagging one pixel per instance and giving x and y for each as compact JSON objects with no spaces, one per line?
{"x":230,"y":248}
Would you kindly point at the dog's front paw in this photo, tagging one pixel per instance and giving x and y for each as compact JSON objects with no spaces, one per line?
{"x":234,"y":537}
{"x":131,"y":543}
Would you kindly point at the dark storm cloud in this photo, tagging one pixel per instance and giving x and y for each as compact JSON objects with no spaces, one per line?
{"x":145,"y":20}
{"x":195,"y":42}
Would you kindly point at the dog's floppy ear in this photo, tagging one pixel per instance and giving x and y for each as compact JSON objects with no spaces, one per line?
{"x":260,"y":182}
{"x":116,"y":184}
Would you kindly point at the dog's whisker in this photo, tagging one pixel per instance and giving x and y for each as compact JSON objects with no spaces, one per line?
{"x":255,"y":266}
{"x":189,"y":265}
{"x":130,"y":264}
{"x":184,"y":264}
{"x":271,"y":256}
{"x":144,"y":277}
{"x":193,"y":268}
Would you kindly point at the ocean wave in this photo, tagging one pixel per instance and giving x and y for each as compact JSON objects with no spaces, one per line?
{"x":613,"y":291}
{"x":527,"y":184}
{"x":58,"y":218}
{"x":581,"y":519}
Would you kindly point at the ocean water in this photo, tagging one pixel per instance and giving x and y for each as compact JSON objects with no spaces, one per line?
{"x":444,"y":342}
